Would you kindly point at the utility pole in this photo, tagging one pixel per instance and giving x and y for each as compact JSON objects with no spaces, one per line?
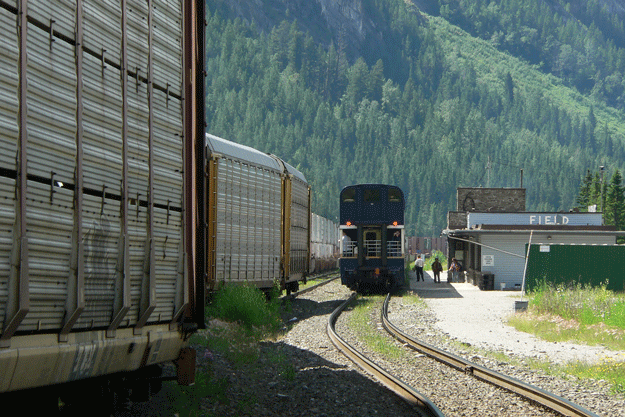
{"x":601,"y":169}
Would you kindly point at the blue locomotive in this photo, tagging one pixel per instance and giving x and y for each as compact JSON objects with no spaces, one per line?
{"x":372,"y":237}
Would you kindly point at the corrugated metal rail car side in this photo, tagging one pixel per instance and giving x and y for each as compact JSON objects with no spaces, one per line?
{"x":258,"y":218}
{"x":244,"y":215}
{"x":296,"y":227}
{"x":100,"y":117}
{"x":324,"y":242}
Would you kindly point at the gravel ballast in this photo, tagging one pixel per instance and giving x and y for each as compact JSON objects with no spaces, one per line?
{"x":302,"y":373}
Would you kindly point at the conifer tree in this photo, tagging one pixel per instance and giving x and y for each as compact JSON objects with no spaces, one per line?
{"x":615,"y":202}
{"x":584,"y":197}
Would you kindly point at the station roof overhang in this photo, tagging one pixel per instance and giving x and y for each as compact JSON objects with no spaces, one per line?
{"x":525,"y":230}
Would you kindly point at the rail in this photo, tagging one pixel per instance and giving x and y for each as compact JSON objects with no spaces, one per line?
{"x":312,"y":287}
{"x":406,"y":392}
{"x":531,"y":392}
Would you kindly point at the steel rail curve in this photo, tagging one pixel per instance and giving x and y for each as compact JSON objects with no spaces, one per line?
{"x":531,"y":392}
{"x":406,"y":392}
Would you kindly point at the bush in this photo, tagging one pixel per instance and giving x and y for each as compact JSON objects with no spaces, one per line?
{"x":436,"y":254}
{"x":588,"y":305}
{"x":247,"y":305}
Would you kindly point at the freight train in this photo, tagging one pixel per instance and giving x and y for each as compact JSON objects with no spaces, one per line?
{"x":372,"y":242}
{"x":261,"y":231}
{"x":118,"y":213}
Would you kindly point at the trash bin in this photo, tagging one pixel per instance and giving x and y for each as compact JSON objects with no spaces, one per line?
{"x":488,"y":282}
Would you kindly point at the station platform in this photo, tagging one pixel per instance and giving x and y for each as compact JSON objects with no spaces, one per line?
{"x":429,"y":283}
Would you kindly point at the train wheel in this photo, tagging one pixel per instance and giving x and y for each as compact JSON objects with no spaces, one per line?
{"x":292,"y":287}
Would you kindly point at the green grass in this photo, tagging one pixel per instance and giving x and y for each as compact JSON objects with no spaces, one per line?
{"x":585,"y":304}
{"x":609,"y":370}
{"x":365,"y":311}
{"x":187,"y":401}
{"x":580,"y":314}
{"x":240,"y":317}
{"x":283,"y":366}
{"x":410,"y":298}
{"x":248,"y":306}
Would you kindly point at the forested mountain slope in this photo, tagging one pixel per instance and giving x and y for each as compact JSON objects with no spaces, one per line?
{"x":427,"y":95}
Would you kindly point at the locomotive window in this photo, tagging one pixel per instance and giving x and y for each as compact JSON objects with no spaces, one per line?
{"x":349,"y":196}
{"x":394,"y":196}
{"x":372,"y":196}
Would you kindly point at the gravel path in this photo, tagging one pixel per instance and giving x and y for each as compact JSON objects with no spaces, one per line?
{"x":479,"y":318}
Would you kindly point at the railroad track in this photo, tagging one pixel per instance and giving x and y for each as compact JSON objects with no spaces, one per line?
{"x":531,"y":392}
{"x":422,"y":404}
{"x":332,"y":275}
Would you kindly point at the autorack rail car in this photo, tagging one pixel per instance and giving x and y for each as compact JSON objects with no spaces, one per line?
{"x":324,"y":243}
{"x":258,"y":218}
{"x":102,"y":126}
{"x":372,"y":242}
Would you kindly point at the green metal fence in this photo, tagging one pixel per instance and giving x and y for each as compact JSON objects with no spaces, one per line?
{"x":570,"y":264}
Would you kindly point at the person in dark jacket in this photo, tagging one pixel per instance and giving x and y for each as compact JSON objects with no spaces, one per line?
{"x":437,"y":267}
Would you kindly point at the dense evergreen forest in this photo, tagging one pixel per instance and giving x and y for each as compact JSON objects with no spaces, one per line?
{"x":445,"y":93}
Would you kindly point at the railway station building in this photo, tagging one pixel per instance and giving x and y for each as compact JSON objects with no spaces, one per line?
{"x":490,"y":231}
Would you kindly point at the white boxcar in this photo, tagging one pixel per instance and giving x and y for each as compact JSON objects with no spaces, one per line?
{"x":324,"y":244}
{"x":258,"y":218}
{"x":97,"y":128}
{"x":245,"y":214}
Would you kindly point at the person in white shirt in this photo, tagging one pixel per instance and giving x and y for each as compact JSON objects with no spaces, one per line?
{"x":418,"y":267}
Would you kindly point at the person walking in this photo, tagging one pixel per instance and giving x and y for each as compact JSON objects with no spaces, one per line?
{"x":418,"y":267}
{"x":454,"y":268}
{"x":437,"y":267}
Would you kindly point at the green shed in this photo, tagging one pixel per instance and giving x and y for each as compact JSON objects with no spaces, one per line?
{"x":569,"y":263}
